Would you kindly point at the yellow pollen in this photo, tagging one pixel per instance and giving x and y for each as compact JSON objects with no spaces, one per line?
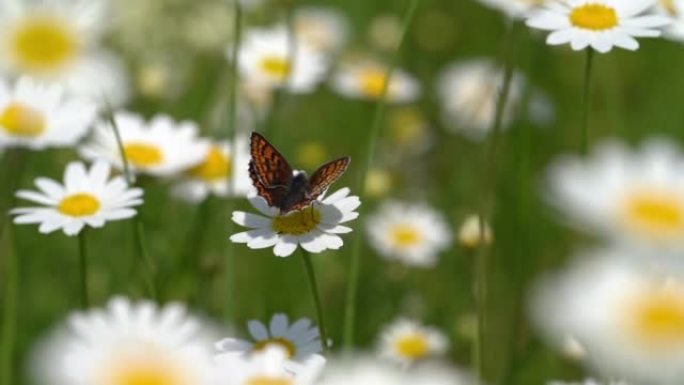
{"x":44,"y":43}
{"x":21,"y":120}
{"x":657,"y":318}
{"x":79,"y":205}
{"x":413,"y":346}
{"x":267,"y":380}
{"x":657,"y":214}
{"x":595,"y":17}
{"x":297,"y":222}
{"x":372,"y":83}
{"x":216,"y":166}
{"x":147,"y":372}
{"x":276,"y":66}
{"x":143,"y":154}
{"x":289,"y":347}
{"x":405,"y":235}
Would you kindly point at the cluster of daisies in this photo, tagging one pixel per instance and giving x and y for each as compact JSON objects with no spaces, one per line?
{"x":129,"y":342}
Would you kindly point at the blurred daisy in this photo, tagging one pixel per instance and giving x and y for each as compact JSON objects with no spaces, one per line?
{"x":57,"y":40}
{"x":469,"y":93}
{"x":37,"y":116}
{"x":587,"y":382}
{"x":413,"y":234}
{"x":88,"y":197}
{"x":598,"y":24}
{"x":674,"y":10}
{"x":315,"y":228}
{"x":378,"y":183}
{"x":629,"y":318}
{"x":405,"y":342}
{"x":409,"y":131}
{"x":127,"y":343}
{"x":368,"y":371}
{"x":211,"y":176}
{"x":473,"y":233}
{"x":366,"y":79}
{"x":299,"y":340}
{"x":636,"y":197}
{"x":265,"y":61}
{"x":321,"y":28}
{"x":268,"y":367}
{"x":515,"y":8}
{"x":384,"y":31}
{"x":160,"y":147}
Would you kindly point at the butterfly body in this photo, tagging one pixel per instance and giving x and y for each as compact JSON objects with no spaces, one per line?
{"x":280,"y":186}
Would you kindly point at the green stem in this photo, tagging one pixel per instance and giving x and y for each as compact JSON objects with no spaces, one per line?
{"x":488,"y":194}
{"x":139,"y":230}
{"x":373,"y":134}
{"x":83,"y":268}
{"x":313,"y":287}
{"x":588,"y":66}
{"x":9,"y":321}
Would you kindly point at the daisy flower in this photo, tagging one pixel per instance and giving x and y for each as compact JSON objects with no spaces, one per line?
{"x":366,"y":79}
{"x":634,"y":197}
{"x":265,"y":61}
{"x":160,"y":147}
{"x":363,"y":370}
{"x":299,"y":340}
{"x":88,"y":197}
{"x":321,"y":28}
{"x":589,"y":381}
{"x":314,"y":228}
{"x":127,"y":343}
{"x":515,"y":8}
{"x":674,"y":10}
{"x":37,"y":115}
{"x":413,"y":234}
{"x":406,"y":342}
{"x":268,"y":367}
{"x":211,"y":176}
{"x":598,"y":24}
{"x":629,"y":318}
{"x":473,"y":233}
{"x":57,"y":41}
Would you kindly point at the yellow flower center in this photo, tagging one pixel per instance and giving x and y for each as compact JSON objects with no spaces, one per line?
{"x":656,"y":318}
{"x":144,"y":371}
{"x":658,"y":214}
{"x":413,"y":346}
{"x":79,"y":205}
{"x":21,"y":120}
{"x":216,"y":166}
{"x":595,"y":17}
{"x":44,"y":43}
{"x":297,"y":222}
{"x":289,"y":347}
{"x":372,"y":83}
{"x":276,"y":66}
{"x":405,"y":235}
{"x":143,"y":154}
{"x":268,"y":380}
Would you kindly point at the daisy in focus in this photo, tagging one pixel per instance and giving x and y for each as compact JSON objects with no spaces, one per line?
{"x":633,"y":196}
{"x":598,"y":24}
{"x":268,"y":367}
{"x":315,"y":228}
{"x":406,"y":342}
{"x":629,"y":318}
{"x":58,"y":41}
{"x":127,"y":343}
{"x":216,"y":174}
{"x":265,"y":62}
{"x":367,"y":79}
{"x":160,"y":147}
{"x":300,"y":340}
{"x":38,"y":116}
{"x":515,"y":8}
{"x":413,"y":234}
{"x":87,"y":197}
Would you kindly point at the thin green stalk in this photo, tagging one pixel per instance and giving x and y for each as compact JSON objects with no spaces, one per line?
{"x":139,"y":230}
{"x":373,"y":134}
{"x":488,"y":194}
{"x":83,"y":268}
{"x":9,"y":321}
{"x":15,"y":164}
{"x":588,"y":66}
{"x":313,"y":287}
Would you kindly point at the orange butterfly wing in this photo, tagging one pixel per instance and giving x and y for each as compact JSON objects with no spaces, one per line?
{"x":270,"y":173}
{"x":325,"y":176}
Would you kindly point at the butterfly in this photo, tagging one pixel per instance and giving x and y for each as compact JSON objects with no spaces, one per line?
{"x":275,"y":181}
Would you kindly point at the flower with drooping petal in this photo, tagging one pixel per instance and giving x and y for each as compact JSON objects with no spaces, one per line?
{"x":299,"y":339}
{"x":406,"y":342}
{"x":598,"y":24}
{"x":88,"y":197}
{"x":315,"y":228}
